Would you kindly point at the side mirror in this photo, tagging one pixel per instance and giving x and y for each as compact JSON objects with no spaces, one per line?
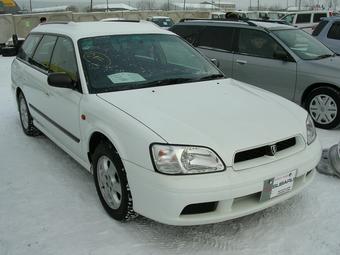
{"x":215,"y":62}
{"x":281,"y":55}
{"x":60,"y":80}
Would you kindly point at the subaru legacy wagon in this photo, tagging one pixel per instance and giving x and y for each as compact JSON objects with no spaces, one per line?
{"x":164,"y":133}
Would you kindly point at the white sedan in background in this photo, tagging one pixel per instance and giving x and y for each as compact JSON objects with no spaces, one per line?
{"x":164,"y":133}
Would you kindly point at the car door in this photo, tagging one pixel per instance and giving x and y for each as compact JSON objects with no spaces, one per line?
{"x":332,"y":37}
{"x":256,"y":61}
{"x":216,"y":42}
{"x":63,"y":103}
{"x":36,"y":90}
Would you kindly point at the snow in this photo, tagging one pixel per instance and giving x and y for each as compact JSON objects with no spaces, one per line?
{"x":49,"y":205}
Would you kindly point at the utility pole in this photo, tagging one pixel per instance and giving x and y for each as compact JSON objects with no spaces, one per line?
{"x":184,"y":6}
{"x":91,"y":5}
{"x":31,"y":5}
{"x":107,"y":5}
{"x":168,"y":5}
{"x":258,"y":5}
{"x":299,"y":5}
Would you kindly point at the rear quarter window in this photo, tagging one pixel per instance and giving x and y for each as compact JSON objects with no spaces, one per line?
{"x":27,"y":49}
{"x":303,"y":18}
{"x":319,"y":27}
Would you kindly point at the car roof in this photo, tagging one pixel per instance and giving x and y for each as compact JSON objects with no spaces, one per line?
{"x":78,"y":30}
{"x":240,"y":23}
{"x":332,"y":18}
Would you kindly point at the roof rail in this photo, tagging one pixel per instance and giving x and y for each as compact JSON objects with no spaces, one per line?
{"x":250,"y":22}
{"x":124,"y":20}
{"x":54,"y":22}
{"x":219,"y":20}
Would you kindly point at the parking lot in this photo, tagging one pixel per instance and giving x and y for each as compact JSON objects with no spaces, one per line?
{"x":48,"y":205}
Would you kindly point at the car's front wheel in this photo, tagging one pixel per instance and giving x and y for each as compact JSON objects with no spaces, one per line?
{"x":26,"y":118}
{"x":323,"y":104}
{"x":111,"y":183}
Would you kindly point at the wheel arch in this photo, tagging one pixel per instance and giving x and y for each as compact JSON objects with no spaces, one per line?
{"x":313,"y":87}
{"x":95,"y":139}
{"x":18,"y":91}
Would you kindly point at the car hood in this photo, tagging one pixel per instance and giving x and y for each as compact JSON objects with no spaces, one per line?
{"x":225,"y":115}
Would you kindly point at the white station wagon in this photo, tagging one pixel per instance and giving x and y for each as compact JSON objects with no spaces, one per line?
{"x":164,"y":133}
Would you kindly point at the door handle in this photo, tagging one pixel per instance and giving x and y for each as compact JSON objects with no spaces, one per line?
{"x":241,"y":62}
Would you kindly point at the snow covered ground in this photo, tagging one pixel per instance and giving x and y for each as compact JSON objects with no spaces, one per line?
{"x":48,"y":205}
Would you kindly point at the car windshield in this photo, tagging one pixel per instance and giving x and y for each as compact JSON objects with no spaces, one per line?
{"x":163,"y":22}
{"x":124,"y":62}
{"x":303,"y":44}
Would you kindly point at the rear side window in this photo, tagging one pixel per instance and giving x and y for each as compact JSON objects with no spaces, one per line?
{"x":42,"y":55}
{"x":217,"y":38}
{"x":257,"y":43}
{"x":27,"y":49}
{"x":64,"y":59}
{"x":334,"y":32}
{"x":303,"y":18}
{"x":319,"y":27}
{"x":317,"y":17}
{"x":188,"y":33}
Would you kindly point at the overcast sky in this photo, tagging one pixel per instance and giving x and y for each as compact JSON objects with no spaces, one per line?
{"x":240,"y":4}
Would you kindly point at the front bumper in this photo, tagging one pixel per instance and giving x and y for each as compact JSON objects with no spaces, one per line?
{"x":163,"y":198}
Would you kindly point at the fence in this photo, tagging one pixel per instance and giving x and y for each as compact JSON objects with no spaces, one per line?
{"x":24,"y":23}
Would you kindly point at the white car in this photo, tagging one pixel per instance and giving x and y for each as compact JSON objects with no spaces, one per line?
{"x":164,"y":133}
{"x":306,"y":20}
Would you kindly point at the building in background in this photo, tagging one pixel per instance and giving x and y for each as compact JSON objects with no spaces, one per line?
{"x":9,"y":6}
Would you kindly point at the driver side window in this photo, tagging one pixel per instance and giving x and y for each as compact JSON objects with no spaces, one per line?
{"x":64,"y":59}
{"x":258,"y":44}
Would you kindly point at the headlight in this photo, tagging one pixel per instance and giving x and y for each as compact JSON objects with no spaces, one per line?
{"x":171,"y":159}
{"x":311,"y":132}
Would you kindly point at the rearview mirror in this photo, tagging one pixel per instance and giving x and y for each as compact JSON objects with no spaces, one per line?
{"x":215,"y":62}
{"x":60,"y":80}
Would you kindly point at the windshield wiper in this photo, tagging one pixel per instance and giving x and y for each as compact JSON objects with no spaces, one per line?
{"x":324,"y":56}
{"x":211,"y":77}
{"x":165,"y":82}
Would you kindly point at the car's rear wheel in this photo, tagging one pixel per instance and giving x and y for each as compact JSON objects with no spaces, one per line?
{"x":111,"y":183}
{"x":26,"y":118}
{"x":323,"y":104}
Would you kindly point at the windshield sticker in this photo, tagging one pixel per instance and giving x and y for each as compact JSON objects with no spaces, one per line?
{"x":125,"y":77}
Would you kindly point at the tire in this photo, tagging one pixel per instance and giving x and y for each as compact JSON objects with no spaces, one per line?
{"x":26,"y":118}
{"x":109,"y":174}
{"x":9,"y":51}
{"x":323,"y":104}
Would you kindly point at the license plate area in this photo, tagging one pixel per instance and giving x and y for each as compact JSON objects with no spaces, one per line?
{"x":277,"y":186}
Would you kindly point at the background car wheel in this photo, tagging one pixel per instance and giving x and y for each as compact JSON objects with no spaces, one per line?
{"x":111,"y":183}
{"x":26,"y":118}
{"x":323,"y":104}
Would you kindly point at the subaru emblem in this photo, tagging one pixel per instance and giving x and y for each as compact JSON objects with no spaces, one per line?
{"x":273,"y":150}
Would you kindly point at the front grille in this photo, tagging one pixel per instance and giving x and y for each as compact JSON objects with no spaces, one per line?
{"x":264,"y":150}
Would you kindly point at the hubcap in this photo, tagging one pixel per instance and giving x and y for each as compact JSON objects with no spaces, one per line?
{"x":24,"y":113}
{"x":323,"y":109}
{"x":109,"y":182}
